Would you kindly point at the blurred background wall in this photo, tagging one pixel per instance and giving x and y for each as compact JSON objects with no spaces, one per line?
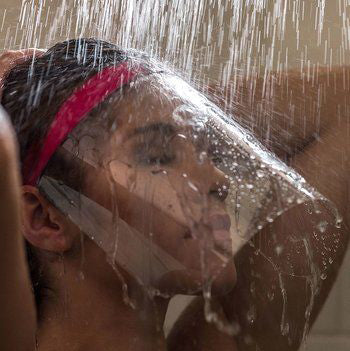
{"x":207,"y":37}
{"x":212,"y":41}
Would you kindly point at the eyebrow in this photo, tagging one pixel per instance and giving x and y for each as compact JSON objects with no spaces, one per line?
{"x":166,"y":129}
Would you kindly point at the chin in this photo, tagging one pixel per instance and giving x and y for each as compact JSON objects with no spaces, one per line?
{"x":225,"y":281}
{"x":191,"y":282}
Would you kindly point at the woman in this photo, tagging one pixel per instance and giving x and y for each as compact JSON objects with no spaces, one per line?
{"x":123,"y":145}
{"x":151,"y":168}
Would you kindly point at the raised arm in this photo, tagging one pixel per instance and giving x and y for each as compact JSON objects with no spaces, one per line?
{"x":17,"y":317}
{"x":17,"y":310}
{"x":289,"y":110}
{"x":306,"y":122}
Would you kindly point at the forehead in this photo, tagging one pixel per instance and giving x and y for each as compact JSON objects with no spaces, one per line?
{"x":149,"y":101}
{"x":160,"y":98}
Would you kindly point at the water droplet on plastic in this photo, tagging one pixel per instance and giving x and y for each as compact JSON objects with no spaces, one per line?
{"x":322,"y":226}
{"x":279,"y":249}
{"x":285,"y":329}
{"x":260,"y":173}
{"x":251,"y":315}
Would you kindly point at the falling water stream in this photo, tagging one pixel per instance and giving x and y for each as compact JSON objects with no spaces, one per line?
{"x":210,"y":42}
{"x":215,"y":38}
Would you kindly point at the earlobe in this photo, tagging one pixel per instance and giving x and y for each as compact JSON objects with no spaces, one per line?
{"x":43,"y":225}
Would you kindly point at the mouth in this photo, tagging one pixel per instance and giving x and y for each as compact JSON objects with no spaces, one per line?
{"x":219,"y":222}
{"x":220,"y":226}
{"x":223,"y":250}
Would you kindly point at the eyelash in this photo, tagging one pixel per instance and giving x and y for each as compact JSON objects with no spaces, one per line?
{"x":162,"y":160}
{"x":144,"y":156}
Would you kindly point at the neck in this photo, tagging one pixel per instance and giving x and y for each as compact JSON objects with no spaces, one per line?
{"x":90,"y":311}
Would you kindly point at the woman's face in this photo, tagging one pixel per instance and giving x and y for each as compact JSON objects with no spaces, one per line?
{"x":164,"y":181}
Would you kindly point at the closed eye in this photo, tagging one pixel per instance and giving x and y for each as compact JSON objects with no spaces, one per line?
{"x":155,"y":160}
{"x":155,"y":152}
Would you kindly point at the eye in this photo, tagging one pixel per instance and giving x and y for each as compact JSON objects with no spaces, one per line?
{"x":154,"y":154}
{"x":160,"y":160}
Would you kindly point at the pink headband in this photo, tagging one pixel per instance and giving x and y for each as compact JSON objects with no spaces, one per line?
{"x":72,"y":112}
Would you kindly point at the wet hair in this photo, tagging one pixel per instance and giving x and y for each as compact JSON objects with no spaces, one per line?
{"x":33,"y":93}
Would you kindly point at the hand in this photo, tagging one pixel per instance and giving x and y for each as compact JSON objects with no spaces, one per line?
{"x":10,"y":58}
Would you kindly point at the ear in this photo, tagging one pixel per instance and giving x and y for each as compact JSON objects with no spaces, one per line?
{"x":43,"y":225}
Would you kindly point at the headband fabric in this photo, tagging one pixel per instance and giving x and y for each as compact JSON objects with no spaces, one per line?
{"x":74,"y":110}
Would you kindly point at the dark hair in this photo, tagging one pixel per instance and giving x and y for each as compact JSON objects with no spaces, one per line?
{"x":33,"y":93}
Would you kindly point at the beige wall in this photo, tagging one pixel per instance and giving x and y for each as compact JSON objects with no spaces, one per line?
{"x":242,"y":38}
{"x":281,"y":34}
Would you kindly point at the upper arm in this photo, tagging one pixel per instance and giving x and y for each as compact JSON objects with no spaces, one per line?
{"x":319,"y":149}
{"x":289,"y":110}
{"x":296,"y":279}
{"x":307,"y":121}
{"x":17,"y":317}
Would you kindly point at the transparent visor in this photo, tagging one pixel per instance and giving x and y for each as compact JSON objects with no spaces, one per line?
{"x":172,"y":200}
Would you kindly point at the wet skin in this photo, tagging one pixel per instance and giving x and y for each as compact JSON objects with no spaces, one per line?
{"x":162,"y":188}
{"x":195,"y":192}
{"x":312,"y":136}
{"x":70,"y":321}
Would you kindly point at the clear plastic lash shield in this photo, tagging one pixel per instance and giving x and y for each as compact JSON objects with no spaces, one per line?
{"x":257,"y":189}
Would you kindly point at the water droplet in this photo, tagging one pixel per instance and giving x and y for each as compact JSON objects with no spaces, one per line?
{"x":251,"y":315}
{"x":260,"y":173}
{"x":322,"y":226}
{"x":338,"y":222}
{"x":81,"y":275}
{"x":279,"y":249}
{"x":285,"y":329}
{"x":271,"y":295}
{"x":192,"y":186}
{"x":269,"y":219}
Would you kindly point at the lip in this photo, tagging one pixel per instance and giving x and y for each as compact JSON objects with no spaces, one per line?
{"x":220,"y":222}
{"x":224,"y":251}
{"x":220,"y":225}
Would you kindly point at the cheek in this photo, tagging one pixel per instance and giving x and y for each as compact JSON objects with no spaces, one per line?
{"x":163,"y":208}
{"x":160,"y":228}
{"x":155,"y":224}
{"x":167,"y":193}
